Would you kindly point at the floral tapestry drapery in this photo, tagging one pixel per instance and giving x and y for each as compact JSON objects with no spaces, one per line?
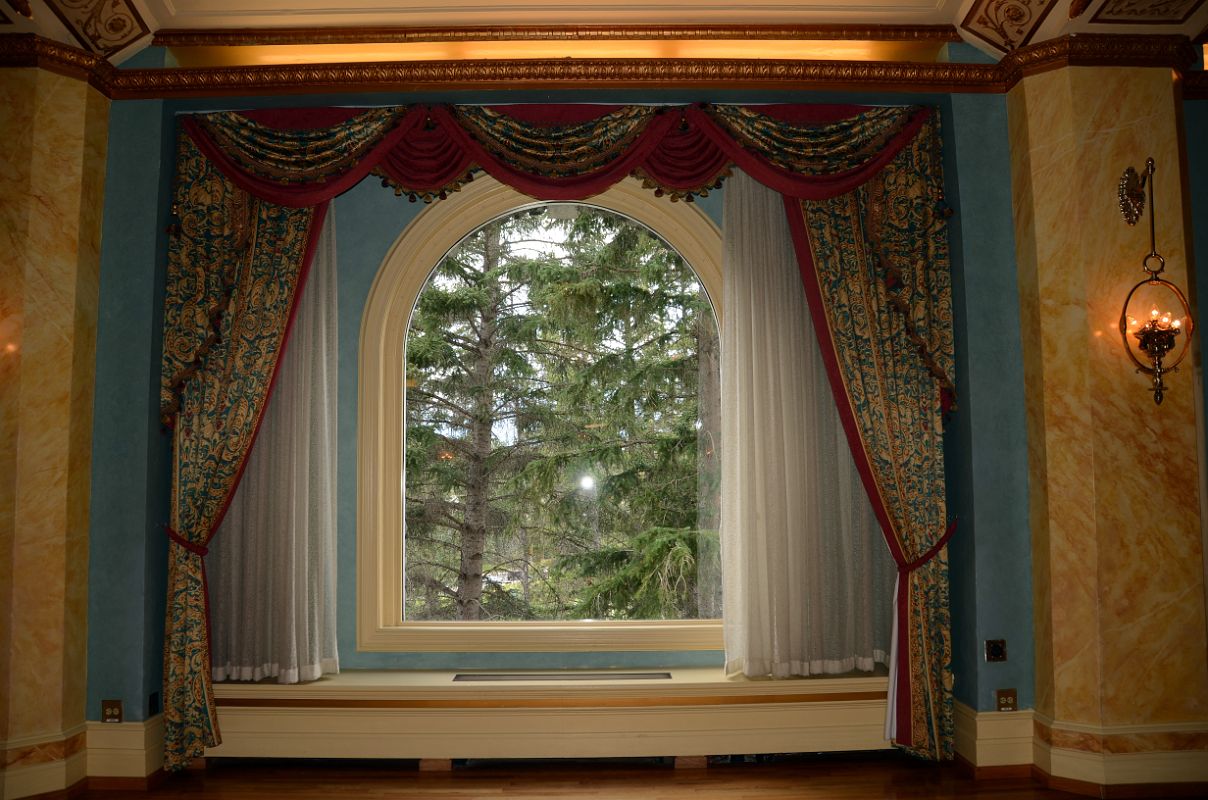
{"x":862,"y":189}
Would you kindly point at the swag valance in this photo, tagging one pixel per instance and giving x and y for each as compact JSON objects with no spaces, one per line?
{"x":863,"y":191}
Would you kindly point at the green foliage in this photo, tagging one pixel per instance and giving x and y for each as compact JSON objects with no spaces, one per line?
{"x":542,"y":351}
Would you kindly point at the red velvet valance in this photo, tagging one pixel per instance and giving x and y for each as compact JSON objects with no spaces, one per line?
{"x":555,"y":152}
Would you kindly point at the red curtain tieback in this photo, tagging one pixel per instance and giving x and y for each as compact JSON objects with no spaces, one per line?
{"x":192,"y":547}
{"x":931,"y":553}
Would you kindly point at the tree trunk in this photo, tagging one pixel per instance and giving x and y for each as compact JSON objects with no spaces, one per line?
{"x":478,"y":476}
{"x":708,"y":464}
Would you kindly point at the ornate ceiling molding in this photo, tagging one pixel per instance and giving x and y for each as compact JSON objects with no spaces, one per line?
{"x":296,"y":36}
{"x":1146,"y":12}
{"x":1007,"y":24}
{"x":31,"y":50}
{"x":101,"y":26}
{"x":1176,"y":52}
{"x":1098,"y":50}
{"x":558,"y":74}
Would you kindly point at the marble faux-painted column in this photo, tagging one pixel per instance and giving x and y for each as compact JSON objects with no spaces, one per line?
{"x":51,"y":188}
{"x":1118,"y":582}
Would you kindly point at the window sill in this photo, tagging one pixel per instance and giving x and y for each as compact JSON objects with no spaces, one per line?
{"x":542,"y":637}
{"x":695,"y":686}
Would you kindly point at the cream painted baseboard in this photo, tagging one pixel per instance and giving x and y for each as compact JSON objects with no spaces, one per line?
{"x":35,"y":779}
{"x":699,"y":713}
{"x":1106,"y":769}
{"x":993,"y":738}
{"x":125,"y":749}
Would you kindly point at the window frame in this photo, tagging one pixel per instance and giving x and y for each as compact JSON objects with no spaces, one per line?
{"x":380,"y":626}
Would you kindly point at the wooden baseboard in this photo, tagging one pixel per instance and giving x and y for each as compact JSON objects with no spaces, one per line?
{"x":1167,"y":773}
{"x":1119,"y":791}
{"x":995,"y":773}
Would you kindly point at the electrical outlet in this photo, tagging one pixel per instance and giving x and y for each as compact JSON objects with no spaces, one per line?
{"x":111,"y":711}
{"x":1006,"y":700}
{"x":996,"y":649}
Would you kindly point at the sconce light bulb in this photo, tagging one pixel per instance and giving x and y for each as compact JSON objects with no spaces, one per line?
{"x":1154,"y":313}
{"x":1132,"y":321}
{"x":1178,"y":323}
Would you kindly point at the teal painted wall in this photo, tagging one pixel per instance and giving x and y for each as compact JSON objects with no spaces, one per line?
{"x":986,"y":441}
{"x":130,"y":461}
{"x":130,"y":456}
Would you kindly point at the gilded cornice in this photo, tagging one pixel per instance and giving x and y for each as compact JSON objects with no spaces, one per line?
{"x":238,"y":37}
{"x":31,"y":50}
{"x":1175,"y":52}
{"x":1098,"y":50}
{"x":556,"y":74}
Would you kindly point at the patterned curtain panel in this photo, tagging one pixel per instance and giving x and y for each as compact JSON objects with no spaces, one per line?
{"x":863,"y":187}
{"x":234,"y":267}
{"x":875,"y":266}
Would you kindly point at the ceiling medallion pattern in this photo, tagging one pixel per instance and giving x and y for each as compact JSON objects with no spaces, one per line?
{"x":1007,"y":24}
{"x":1147,"y":12}
{"x":101,"y":26}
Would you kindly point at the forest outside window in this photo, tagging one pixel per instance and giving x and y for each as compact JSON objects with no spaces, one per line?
{"x":562,"y":423}
{"x":559,"y":380}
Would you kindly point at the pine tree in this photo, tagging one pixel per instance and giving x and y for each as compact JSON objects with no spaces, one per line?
{"x":553,"y":427}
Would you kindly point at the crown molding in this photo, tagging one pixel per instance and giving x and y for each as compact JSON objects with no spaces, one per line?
{"x":31,"y":50}
{"x":1175,"y":52}
{"x":556,"y":74}
{"x":1098,"y":50}
{"x":236,"y":37}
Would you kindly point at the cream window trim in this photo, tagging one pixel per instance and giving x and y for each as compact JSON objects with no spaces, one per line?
{"x":380,"y":434}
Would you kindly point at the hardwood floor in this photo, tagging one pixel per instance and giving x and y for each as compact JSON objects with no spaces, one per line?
{"x":823,"y":777}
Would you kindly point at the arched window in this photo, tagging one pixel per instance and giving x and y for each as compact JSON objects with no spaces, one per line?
{"x":588,"y":565}
{"x":562,"y":414}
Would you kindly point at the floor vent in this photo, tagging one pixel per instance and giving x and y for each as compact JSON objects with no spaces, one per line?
{"x":561,"y":676}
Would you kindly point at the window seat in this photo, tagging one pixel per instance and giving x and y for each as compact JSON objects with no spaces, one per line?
{"x":427,"y":715}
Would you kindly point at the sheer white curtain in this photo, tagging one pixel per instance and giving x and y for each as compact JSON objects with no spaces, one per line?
{"x":272,"y":564}
{"x":808,"y":576}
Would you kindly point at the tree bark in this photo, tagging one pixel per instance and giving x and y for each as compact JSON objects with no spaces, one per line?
{"x":478,"y":475}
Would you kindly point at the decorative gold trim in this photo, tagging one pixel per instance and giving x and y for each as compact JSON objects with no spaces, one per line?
{"x":1097,"y":50}
{"x":31,"y":50}
{"x":240,"y":37}
{"x":1173,"y":51}
{"x":93,"y":23}
{"x":1100,"y":17}
{"x":558,"y":73}
{"x":984,"y":12}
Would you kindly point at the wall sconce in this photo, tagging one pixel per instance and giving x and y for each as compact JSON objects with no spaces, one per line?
{"x":1158,"y":330}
